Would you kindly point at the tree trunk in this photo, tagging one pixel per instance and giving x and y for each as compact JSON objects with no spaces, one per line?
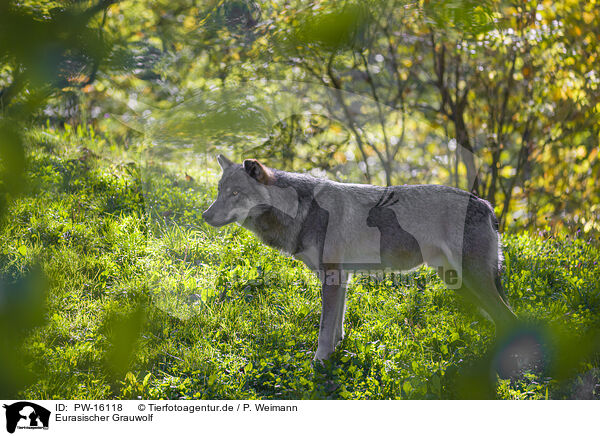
{"x":466,"y":152}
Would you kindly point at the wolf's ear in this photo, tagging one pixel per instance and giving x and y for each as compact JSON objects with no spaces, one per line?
{"x":224,"y":163}
{"x":258,"y":171}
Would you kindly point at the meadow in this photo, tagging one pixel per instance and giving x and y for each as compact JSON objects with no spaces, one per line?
{"x":142,"y":299}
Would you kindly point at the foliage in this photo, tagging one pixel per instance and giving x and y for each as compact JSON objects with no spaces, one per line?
{"x":510,"y":88}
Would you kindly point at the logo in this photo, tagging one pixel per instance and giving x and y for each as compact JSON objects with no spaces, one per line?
{"x":26,"y":415}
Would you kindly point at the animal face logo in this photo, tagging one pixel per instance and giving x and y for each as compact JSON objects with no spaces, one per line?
{"x":26,"y":415}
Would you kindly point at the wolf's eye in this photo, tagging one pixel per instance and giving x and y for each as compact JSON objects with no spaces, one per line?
{"x":234,"y":193}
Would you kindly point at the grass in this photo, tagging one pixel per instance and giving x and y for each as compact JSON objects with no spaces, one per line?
{"x":144,"y":300}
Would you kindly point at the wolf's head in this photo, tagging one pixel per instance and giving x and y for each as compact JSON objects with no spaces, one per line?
{"x":247,"y":189}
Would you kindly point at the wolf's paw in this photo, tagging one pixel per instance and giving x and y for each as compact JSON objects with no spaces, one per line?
{"x":323,"y":354}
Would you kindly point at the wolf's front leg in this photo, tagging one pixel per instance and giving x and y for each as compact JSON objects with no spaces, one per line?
{"x":331,"y":329}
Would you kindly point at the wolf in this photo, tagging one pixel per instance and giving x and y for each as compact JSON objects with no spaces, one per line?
{"x":337,"y":229}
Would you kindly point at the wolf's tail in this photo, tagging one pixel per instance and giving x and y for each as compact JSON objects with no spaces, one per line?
{"x":495,"y":223}
{"x":500,"y":258}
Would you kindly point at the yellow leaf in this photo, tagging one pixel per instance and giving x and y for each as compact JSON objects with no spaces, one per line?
{"x":557,"y":94}
{"x":340,"y":157}
{"x":588,"y":17}
{"x":189,"y":23}
{"x":508,"y":171}
{"x":335,"y":128}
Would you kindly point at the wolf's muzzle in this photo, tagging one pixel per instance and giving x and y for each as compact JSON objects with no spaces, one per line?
{"x":215,"y":218}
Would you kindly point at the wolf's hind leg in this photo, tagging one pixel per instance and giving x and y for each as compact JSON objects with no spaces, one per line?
{"x":483,"y":287}
{"x":481,"y":272}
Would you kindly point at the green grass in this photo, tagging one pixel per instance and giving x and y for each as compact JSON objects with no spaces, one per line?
{"x":144,"y":300}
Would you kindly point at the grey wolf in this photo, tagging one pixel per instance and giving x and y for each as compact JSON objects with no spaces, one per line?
{"x":339,"y":228}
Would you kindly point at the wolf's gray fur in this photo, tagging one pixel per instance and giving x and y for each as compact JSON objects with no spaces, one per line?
{"x":338,"y":228}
